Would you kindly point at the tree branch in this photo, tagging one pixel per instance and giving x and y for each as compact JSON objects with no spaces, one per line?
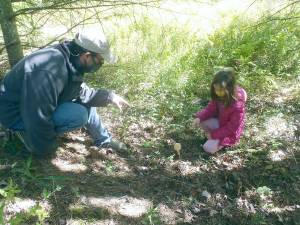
{"x":270,"y":18}
{"x":277,"y":19}
{"x":71,"y":28}
{"x":285,"y":7}
{"x":62,"y":6}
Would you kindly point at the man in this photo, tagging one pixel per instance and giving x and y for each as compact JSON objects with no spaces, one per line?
{"x":43,"y":95}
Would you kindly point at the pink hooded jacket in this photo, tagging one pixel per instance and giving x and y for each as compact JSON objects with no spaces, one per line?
{"x":231,"y":118}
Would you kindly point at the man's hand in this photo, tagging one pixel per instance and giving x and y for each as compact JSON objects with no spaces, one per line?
{"x":119,"y":101}
{"x":196,"y":123}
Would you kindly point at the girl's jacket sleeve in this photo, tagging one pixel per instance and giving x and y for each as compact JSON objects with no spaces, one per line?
{"x":208,"y":112}
{"x":233,"y":124}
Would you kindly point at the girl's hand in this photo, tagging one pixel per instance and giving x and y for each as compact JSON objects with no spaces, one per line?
{"x":196,"y":123}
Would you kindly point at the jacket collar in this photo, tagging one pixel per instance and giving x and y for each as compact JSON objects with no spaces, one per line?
{"x":74,"y":74}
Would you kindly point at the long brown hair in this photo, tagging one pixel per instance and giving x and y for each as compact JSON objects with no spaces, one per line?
{"x":226,"y":79}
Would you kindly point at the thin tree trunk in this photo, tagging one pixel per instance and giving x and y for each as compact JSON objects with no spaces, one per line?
{"x":10,"y":32}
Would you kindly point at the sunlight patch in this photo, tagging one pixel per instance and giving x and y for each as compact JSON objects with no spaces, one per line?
{"x":20,"y":205}
{"x":24,"y":206}
{"x":53,"y":30}
{"x":229,"y":162}
{"x":78,"y":148}
{"x":117,"y":168}
{"x":277,"y":155}
{"x":278,"y":127}
{"x":287,"y":93}
{"x":185,"y":168}
{"x":245,"y":205}
{"x":125,"y":206}
{"x":285,"y":208}
{"x":204,"y":18}
{"x":67,"y":166}
{"x":94,"y":222}
{"x":167,"y":214}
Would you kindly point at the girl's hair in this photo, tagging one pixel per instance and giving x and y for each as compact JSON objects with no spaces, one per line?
{"x":226,"y":79}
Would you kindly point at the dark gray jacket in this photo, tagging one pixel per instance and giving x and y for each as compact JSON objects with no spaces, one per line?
{"x":36,"y":85}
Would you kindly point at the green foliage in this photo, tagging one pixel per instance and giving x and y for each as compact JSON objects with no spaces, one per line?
{"x":46,"y":194}
{"x":261,"y":53}
{"x":110,"y":167}
{"x":10,"y":191}
{"x":2,"y":205}
{"x":36,"y":211}
{"x":258,"y":218}
{"x":152,"y":217}
{"x":171,"y":66}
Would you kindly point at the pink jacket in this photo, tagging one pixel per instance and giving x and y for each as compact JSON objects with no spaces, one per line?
{"x":231,"y":118}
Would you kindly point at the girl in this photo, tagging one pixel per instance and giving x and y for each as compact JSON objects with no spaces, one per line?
{"x":224,"y":117}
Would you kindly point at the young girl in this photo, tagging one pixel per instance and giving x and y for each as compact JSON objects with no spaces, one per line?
{"x":224,"y":117}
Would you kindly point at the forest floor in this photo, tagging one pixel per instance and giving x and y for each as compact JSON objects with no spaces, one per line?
{"x":256,"y":182}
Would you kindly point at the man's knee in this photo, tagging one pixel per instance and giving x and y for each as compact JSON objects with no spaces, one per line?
{"x":70,"y":116}
{"x":80,"y":116}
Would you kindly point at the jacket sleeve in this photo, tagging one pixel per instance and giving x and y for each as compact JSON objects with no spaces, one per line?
{"x":232,"y":126}
{"x":91,"y":97}
{"x":40,"y":91}
{"x":209,"y":111}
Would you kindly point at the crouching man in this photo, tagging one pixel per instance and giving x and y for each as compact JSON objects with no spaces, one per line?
{"x":44,"y":95}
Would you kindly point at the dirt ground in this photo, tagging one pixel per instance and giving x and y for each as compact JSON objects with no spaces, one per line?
{"x":256,"y":182}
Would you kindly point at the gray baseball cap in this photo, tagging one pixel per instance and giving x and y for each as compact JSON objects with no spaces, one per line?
{"x":95,"y":42}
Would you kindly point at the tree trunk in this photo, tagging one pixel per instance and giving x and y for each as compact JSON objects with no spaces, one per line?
{"x":10,"y":32}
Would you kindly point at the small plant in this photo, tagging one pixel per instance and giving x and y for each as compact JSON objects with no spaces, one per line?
{"x":26,"y":169}
{"x":46,"y":194}
{"x":9,"y":193}
{"x":110,"y":167}
{"x":40,"y":213}
{"x":152,"y":217}
{"x":264,"y":191}
{"x":258,"y":218}
{"x":148,"y":144}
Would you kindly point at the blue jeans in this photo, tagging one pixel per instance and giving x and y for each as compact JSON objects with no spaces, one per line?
{"x":71,"y":116}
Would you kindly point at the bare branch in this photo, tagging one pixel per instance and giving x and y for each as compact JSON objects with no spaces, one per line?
{"x":276,"y":19}
{"x":270,"y":18}
{"x":63,"y":6}
{"x":285,"y":7}
{"x":71,"y":28}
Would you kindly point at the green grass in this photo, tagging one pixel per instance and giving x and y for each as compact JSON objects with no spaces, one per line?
{"x":171,"y":67}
